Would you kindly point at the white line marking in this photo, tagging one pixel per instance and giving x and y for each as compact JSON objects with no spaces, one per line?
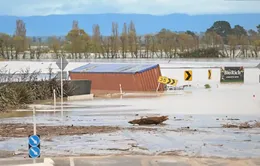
{"x":72,"y":162}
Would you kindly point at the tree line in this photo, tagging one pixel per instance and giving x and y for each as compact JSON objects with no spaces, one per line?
{"x":219,"y":40}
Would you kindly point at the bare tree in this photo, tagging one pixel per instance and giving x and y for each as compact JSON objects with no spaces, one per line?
{"x":96,"y":40}
{"x":114,"y":40}
{"x":254,"y":42}
{"x":5,"y":42}
{"x":75,"y":25}
{"x":106,"y":45}
{"x":19,"y":39}
{"x":124,"y":41}
{"x":132,"y":40}
{"x":244,"y":45}
{"x":20,"y":28}
{"x":147,"y":44}
{"x":232,"y":42}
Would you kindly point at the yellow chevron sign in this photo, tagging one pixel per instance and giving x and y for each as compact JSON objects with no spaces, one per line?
{"x":166,"y":80}
{"x":209,"y":74}
{"x":188,"y":75}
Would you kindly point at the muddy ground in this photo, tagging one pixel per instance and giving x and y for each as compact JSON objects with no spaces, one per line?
{"x":23,"y":130}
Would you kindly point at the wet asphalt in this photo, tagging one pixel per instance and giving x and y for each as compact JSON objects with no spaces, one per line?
{"x":138,"y":161}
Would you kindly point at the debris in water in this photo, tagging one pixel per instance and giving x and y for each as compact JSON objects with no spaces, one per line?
{"x":149,"y":120}
{"x":256,"y":125}
{"x":229,"y":126}
{"x":245,"y":125}
{"x":248,"y":140}
{"x":49,"y":139}
{"x":220,"y":145}
{"x":178,"y":119}
{"x":185,"y":127}
{"x":233,"y":119}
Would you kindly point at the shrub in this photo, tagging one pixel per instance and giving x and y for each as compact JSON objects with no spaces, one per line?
{"x":18,"y":94}
{"x":207,"y":86}
{"x":201,"y":53}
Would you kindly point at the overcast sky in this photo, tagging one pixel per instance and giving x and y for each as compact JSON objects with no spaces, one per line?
{"x":155,"y":7}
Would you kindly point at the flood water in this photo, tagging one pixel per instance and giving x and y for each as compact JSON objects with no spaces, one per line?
{"x":197,"y":108}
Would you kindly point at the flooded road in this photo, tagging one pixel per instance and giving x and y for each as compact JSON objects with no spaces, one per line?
{"x":194,"y":128}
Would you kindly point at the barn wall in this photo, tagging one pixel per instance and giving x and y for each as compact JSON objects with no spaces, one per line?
{"x":145,"y":81}
{"x":149,"y":79}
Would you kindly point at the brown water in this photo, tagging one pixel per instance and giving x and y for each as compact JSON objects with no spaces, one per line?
{"x":195,"y":107}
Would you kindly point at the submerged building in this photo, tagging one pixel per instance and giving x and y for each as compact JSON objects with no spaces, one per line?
{"x":109,"y":77}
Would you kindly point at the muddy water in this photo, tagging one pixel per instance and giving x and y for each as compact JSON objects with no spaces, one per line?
{"x":209,"y":142}
{"x":196,"y":107}
{"x":15,"y":114}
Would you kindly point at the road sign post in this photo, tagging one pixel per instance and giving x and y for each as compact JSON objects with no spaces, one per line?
{"x":258,"y":66}
{"x":158,"y":86}
{"x":61,"y":90}
{"x":61,"y":63}
{"x":34,"y":129}
{"x":34,"y":122}
{"x":54,"y":99}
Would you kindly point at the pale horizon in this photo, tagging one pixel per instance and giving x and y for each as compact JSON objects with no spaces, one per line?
{"x":152,"y":7}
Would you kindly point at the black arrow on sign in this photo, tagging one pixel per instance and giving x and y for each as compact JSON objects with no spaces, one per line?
{"x":169,"y":80}
{"x":189,"y":75}
{"x":172,"y":82}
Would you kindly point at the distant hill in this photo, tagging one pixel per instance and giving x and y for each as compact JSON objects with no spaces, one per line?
{"x":60,"y":24}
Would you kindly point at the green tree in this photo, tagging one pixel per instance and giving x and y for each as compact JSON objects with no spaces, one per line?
{"x":239,"y":31}
{"x":19,"y":45}
{"x":5,"y":43}
{"x":251,"y":32}
{"x":222,"y":28}
{"x":77,"y":42}
{"x":55,"y":45}
{"x":190,"y":33}
{"x":258,"y":28}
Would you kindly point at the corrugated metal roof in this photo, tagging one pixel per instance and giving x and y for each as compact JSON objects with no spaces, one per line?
{"x":114,"y":68}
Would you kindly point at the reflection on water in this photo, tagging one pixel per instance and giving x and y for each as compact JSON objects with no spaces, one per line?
{"x":15,"y":114}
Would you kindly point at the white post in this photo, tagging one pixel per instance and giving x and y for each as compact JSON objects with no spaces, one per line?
{"x":61,"y":91}
{"x":34,"y":127}
{"x":158,"y":87}
{"x":34,"y":122}
{"x":54,"y":99}
{"x":121,"y":92}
